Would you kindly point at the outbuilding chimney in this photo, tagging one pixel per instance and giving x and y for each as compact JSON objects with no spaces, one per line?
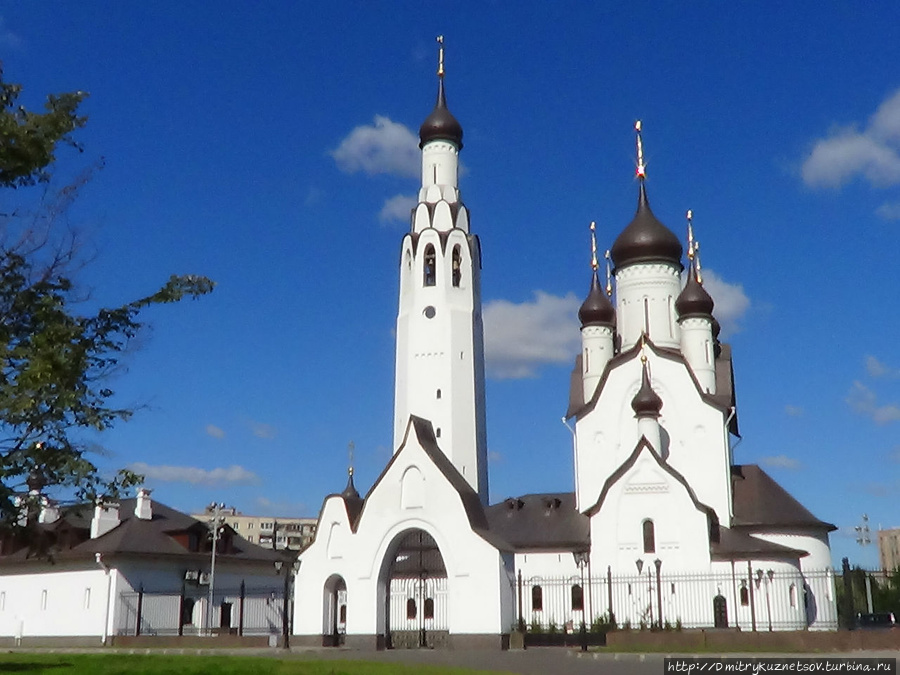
{"x":143,"y":507}
{"x":106,"y":517}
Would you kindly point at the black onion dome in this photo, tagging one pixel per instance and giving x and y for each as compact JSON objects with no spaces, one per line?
{"x":597,"y":310}
{"x":441,"y":125}
{"x":645,"y":239}
{"x":350,"y":491}
{"x":693,"y":299}
{"x":646,"y":403}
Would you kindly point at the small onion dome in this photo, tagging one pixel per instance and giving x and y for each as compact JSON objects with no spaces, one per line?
{"x":646,"y":403}
{"x":693,"y":299}
{"x":441,"y":125}
{"x":36,"y":481}
{"x":350,"y":491}
{"x":597,"y":310}
{"x":645,"y":239}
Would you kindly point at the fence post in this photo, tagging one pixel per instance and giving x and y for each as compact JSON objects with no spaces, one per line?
{"x":284,"y":609}
{"x":752,"y":596}
{"x":521,"y":616}
{"x":612,"y":614}
{"x":849,"y":610}
{"x":181,"y":611}
{"x":241,"y":609}
{"x":140,"y":603}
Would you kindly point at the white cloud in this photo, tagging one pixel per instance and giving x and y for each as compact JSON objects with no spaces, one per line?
{"x":865,"y":402}
{"x":383,"y":147}
{"x":233,"y":474}
{"x":268,"y":507}
{"x":889,"y":211}
{"x":872,"y":153}
{"x":731,"y":301}
{"x":8,"y":39}
{"x":494,"y":456}
{"x":781,"y":462}
{"x":793,"y":410}
{"x":876,"y":368}
{"x":214,"y":431}
{"x":261,"y":430}
{"x":397,"y":209}
{"x":520,"y":337}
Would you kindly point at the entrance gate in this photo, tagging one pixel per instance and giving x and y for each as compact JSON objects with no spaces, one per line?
{"x":418,"y":601}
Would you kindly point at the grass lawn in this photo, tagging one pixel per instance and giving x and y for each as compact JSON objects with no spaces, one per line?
{"x":130,"y":664}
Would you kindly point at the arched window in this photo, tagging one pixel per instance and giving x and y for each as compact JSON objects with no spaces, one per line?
{"x":577,"y":598}
{"x":649,"y":536}
{"x":411,"y":608}
{"x":457,"y":266}
{"x":745,"y":594}
{"x":429,"y":270}
{"x":793,"y":592}
{"x":537,"y":598}
{"x":429,"y":608}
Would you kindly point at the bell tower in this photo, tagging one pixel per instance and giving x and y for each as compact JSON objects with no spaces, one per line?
{"x":440,"y":345}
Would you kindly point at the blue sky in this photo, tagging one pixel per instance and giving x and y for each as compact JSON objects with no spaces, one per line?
{"x":270,"y":147}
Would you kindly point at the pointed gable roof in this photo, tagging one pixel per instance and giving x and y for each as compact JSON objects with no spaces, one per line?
{"x":760,"y":501}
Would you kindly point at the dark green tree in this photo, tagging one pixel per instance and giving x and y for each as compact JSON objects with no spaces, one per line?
{"x":55,"y":360}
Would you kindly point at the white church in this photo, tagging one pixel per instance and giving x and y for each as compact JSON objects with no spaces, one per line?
{"x":662,"y":529}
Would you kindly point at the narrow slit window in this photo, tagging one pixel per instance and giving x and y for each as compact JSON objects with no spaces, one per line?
{"x":457,"y":266}
{"x":537,"y":598}
{"x":649,"y":536}
{"x":646,"y":316}
{"x":429,"y":271}
{"x":428,"y":609}
{"x":411,"y":611}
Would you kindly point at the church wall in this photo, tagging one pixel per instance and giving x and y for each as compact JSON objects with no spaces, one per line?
{"x":412,"y":494}
{"x":694,"y":438}
{"x":646,"y":492}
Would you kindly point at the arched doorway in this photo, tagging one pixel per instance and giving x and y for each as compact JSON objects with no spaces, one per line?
{"x":416,"y":599}
{"x":334,"y":616}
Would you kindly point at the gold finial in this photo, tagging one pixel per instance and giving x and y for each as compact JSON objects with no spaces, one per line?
{"x":643,"y":348}
{"x":350,"y":447}
{"x":608,"y":275}
{"x":697,"y":262}
{"x":440,"y":41}
{"x":690,"y":248}
{"x":594,"y":264}
{"x":641,"y":169}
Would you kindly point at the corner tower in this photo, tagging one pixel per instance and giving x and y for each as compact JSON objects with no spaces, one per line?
{"x":440,"y":344}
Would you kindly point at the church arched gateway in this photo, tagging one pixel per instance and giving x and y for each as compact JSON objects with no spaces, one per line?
{"x":334,"y":619}
{"x":415,"y":593}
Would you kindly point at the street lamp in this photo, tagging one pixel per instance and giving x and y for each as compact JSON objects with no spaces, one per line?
{"x":769,"y":576}
{"x":658,"y":564}
{"x":215,"y":523}
{"x":863,"y":539}
{"x":581,"y":559}
{"x":289,"y":572}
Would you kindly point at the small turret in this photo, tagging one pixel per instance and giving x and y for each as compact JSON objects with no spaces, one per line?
{"x":646,"y":405}
{"x":695,"y":307}
{"x":598,"y":321}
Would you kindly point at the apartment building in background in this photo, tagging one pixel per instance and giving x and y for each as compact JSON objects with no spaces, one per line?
{"x":267,"y":531}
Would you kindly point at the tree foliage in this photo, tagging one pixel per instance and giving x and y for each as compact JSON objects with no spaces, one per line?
{"x":28,"y":140}
{"x":55,"y":361}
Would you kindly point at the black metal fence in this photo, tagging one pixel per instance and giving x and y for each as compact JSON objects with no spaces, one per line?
{"x":192,"y":611}
{"x":754,"y":600}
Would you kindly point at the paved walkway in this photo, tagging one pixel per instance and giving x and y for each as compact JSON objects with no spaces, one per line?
{"x":534,"y":661}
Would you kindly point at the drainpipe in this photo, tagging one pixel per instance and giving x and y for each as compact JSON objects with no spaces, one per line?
{"x":99,"y":558}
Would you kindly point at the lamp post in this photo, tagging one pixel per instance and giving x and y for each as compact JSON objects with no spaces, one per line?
{"x":863,"y":539}
{"x":215,"y":523}
{"x":658,"y":564}
{"x":581,"y":558}
{"x":640,"y":568}
{"x":769,"y":576}
{"x":289,"y":571}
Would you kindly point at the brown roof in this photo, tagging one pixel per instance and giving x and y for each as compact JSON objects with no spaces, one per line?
{"x":138,"y":537}
{"x":541,"y":522}
{"x":738,"y":545}
{"x":760,"y":501}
